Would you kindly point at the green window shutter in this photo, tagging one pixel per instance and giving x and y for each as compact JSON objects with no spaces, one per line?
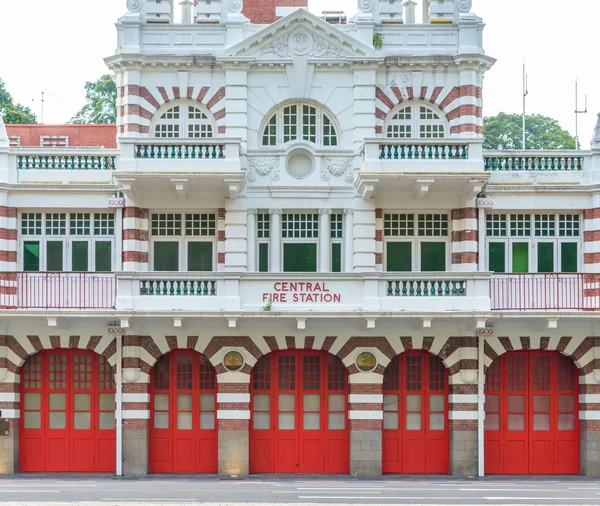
{"x":54,"y":256}
{"x":166,"y":256}
{"x":200,"y":256}
{"x":103,"y":256}
{"x":433,"y":256}
{"x":497,"y":256}
{"x":31,"y":256}
{"x":520,"y":257}
{"x":568,"y":257}
{"x":79,"y":256}
{"x":300,"y":257}
{"x":545,"y":256}
{"x":336,"y":257}
{"x":398,"y":256}
{"x":263,"y":257}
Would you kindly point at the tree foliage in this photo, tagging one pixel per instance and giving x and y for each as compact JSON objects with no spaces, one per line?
{"x":505,"y":131}
{"x":101,"y":103}
{"x":14,"y":113}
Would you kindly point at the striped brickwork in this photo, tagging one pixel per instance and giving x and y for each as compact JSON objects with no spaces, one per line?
{"x":379,"y":239}
{"x":221,"y":225}
{"x":8,"y":255}
{"x":462,"y":105}
{"x":135,"y":239}
{"x":464,"y":239}
{"x":137,"y":104}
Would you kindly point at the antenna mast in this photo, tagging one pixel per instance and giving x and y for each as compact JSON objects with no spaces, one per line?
{"x":43,"y":101}
{"x":525,"y":93}
{"x":578,"y":112}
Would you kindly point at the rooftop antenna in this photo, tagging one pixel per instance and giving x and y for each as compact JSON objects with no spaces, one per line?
{"x":578,"y":112}
{"x":525,"y":93}
{"x":43,"y":101}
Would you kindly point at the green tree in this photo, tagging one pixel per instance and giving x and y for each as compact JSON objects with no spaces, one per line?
{"x":101,"y":103}
{"x":505,"y":131}
{"x":14,"y":113}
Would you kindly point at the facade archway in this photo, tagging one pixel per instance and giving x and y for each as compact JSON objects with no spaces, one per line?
{"x":415,"y":415}
{"x":299,"y":413}
{"x":67,"y":420}
{"x":183,"y":414}
{"x":532,"y":414}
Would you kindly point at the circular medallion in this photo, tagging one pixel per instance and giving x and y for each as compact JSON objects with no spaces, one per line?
{"x":465,"y":5}
{"x":300,"y":163}
{"x":300,"y":43}
{"x":134,"y":5}
{"x":366,"y":361}
{"x":365,"y":5}
{"x":233,"y":361}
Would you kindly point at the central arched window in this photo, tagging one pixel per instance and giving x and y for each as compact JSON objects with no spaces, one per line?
{"x":295,"y":122}
{"x":184,"y":121}
{"x":416,"y":121}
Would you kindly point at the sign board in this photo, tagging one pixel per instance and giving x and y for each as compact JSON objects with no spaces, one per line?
{"x":487,"y":332}
{"x":116,"y":202}
{"x":115,"y":331}
{"x":301,"y":292}
{"x":485,"y":203}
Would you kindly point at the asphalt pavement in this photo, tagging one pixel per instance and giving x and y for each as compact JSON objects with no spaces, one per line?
{"x":31,"y":490}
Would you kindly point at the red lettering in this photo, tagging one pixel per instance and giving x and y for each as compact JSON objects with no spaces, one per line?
{"x":309,"y":287}
{"x":284,"y":287}
{"x":292,"y":287}
{"x":337,"y":297}
{"x":295,"y":298}
{"x":282,"y":297}
{"x":318,"y":287}
{"x":327,"y":297}
{"x":266,"y":296}
{"x":277,"y":286}
{"x":324,"y":288}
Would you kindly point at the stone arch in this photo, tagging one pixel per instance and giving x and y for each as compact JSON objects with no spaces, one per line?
{"x":443,"y":119}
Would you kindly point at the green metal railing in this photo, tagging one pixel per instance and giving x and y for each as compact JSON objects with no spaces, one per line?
{"x":66,"y":162}
{"x":426,"y":288}
{"x":180,"y":151}
{"x":175,"y":288}
{"x":423,"y":151}
{"x":533,"y":163}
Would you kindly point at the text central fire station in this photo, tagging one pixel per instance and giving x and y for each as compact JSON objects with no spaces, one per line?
{"x":292,"y":255}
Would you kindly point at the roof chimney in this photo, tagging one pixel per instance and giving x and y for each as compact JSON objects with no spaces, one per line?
{"x":262,"y":12}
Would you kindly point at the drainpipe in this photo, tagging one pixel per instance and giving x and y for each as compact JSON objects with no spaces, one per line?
{"x":480,"y":408}
{"x":119,"y":402}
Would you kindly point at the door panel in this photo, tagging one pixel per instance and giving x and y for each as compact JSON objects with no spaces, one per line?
{"x":299,"y":414}
{"x":531,"y":405}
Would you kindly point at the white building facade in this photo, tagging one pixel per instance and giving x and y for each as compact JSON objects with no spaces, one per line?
{"x":299,"y":259}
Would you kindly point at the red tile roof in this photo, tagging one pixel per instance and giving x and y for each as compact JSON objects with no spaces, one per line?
{"x":79,"y":135}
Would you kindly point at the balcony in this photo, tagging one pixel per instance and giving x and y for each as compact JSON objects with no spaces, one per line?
{"x":57,"y":290}
{"x":545,"y":292}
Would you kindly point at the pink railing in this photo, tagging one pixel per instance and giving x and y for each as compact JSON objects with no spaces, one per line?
{"x":57,"y":290}
{"x":545,"y":292}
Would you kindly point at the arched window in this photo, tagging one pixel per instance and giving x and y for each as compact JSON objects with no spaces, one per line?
{"x":184,"y":121}
{"x":294,"y":122}
{"x":416,"y":121}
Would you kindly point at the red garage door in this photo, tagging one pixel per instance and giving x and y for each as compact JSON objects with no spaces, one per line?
{"x":531,"y":407}
{"x":183,"y":428}
{"x":415,"y":418}
{"x":299,"y":414}
{"x":67,"y":413}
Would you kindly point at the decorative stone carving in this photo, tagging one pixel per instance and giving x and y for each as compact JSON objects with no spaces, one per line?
{"x":337,"y":167}
{"x":263,"y":167}
{"x":208,"y":11}
{"x":235,"y":6}
{"x":134,"y":5}
{"x":391,"y":11}
{"x":302,"y":43}
{"x":158,"y":11}
{"x":366,"y":5}
{"x":464,"y":5}
{"x":402,"y":85}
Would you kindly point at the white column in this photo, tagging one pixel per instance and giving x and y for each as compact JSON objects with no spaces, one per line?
{"x":119,"y":404}
{"x":348,"y":240}
{"x":481,"y":242}
{"x":251,"y":240}
{"x":275,"y":240}
{"x":324,"y":240}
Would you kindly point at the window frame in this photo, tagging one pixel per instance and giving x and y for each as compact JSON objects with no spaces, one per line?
{"x":416,"y":122}
{"x":184,"y":121}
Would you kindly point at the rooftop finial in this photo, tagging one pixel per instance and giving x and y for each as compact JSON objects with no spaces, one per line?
{"x":3,"y":135}
{"x":596,"y":138}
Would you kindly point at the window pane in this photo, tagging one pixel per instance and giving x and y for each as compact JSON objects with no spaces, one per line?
{"x":413,"y":421}
{"x":287,"y":421}
{"x":399,"y":256}
{"x":390,"y":420}
{"x":520,"y":260}
{"x":436,"y":421}
{"x":492,"y":422}
{"x":207,"y":421}
{"x":516,"y":403}
{"x":541,"y":422}
{"x":207,"y":402}
{"x":516,"y":422}
{"x":336,"y":257}
{"x":492,"y":403}
{"x":263,"y":257}
{"x":166,"y":256}
{"x":336,"y":421}
{"x":54,"y":256}
{"x":312,"y":402}
{"x":568,"y":257}
{"x":287,"y":402}
{"x":34,"y":401}
{"x":262,"y":402}
{"x":106,"y":420}
{"x":81,"y":421}
{"x":390,"y":402}
{"x":565,"y":422}
{"x":200,"y":256}
{"x":436,"y":402}
{"x":184,"y":421}
{"x":184,"y":402}
{"x":413,"y":402}
{"x":58,"y":420}
{"x":497,"y":256}
{"x":106,"y":402}
{"x":161,"y":402}
{"x":33,"y":420}
{"x":545,"y":257}
{"x":566,"y":403}
{"x":541,"y":404}
{"x":103,"y":256}
{"x":433,"y":256}
{"x":312,"y":421}
{"x":31,"y":256}
{"x":81,"y":402}
{"x":262,"y":421}
{"x":79,"y":256}
{"x":57,"y":402}
{"x":161,"y":420}
{"x":336,"y":402}
{"x":300,"y":257}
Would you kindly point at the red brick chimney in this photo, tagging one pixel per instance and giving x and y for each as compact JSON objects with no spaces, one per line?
{"x":267,"y":11}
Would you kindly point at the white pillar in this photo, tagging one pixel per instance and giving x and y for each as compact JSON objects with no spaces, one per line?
{"x":481,"y":242}
{"x":186,"y":11}
{"x":324,"y":240}
{"x":275,"y":239}
{"x":119,"y":405}
{"x":251,"y":240}
{"x":481,"y":408}
{"x":348,"y":240}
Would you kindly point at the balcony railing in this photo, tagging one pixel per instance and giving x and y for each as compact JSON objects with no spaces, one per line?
{"x":533,"y":160}
{"x":545,"y":292}
{"x":57,"y":290}
{"x":66,"y":162}
{"x":186,"y":151}
{"x":427,"y":288}
{"x":428,"y":151}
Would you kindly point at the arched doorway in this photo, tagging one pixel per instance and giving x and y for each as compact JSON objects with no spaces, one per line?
{"x":531,"y":414}
{"x":415,"y":417}
{"x":299,"y":408}
{"x":183,"y":424}
{"x":67,"y":412}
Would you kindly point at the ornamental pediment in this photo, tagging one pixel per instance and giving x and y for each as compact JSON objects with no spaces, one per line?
{"x":300,"y":34}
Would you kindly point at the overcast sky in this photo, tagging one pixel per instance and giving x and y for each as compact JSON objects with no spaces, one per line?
{"x":56,"y":46}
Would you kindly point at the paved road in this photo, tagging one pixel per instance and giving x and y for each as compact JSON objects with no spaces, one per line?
{"x":180,"y":490}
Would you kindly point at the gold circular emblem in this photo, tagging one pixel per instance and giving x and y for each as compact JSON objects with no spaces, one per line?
{"x":366,"y":361}
{"x":233,"y":361}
